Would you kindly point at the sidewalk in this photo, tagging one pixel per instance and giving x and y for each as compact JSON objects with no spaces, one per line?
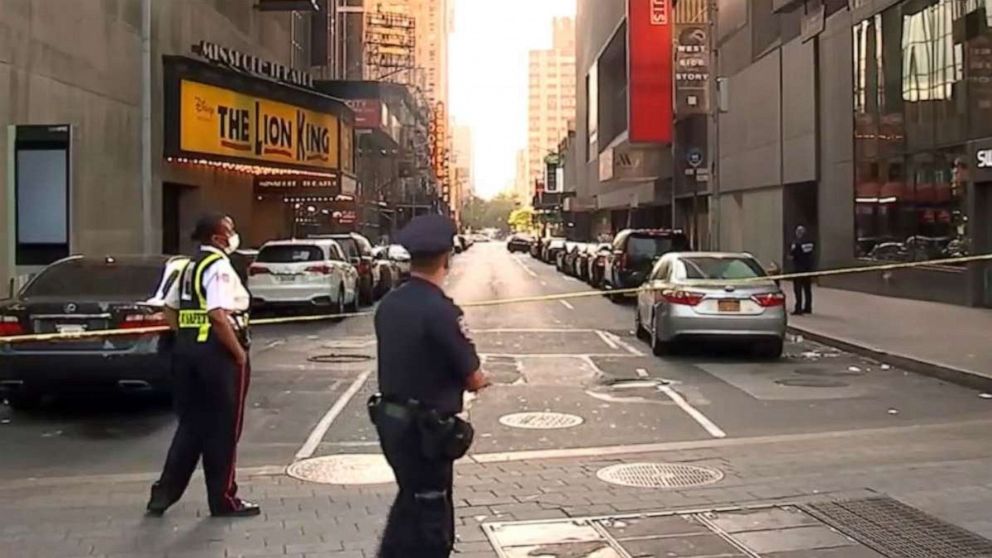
{"x":943,"y":340}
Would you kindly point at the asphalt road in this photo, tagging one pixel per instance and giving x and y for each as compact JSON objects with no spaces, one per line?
{"x":577,"y":357}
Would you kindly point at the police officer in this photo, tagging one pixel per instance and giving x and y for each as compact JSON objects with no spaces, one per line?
{"x":426,"y":363}
{"x":208,"y":308}
{"x":803,"y":255}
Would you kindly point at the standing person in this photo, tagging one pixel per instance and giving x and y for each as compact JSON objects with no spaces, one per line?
{"x":426,"y":363}
{"x":803,"y":255}
{"x":208,"y":307}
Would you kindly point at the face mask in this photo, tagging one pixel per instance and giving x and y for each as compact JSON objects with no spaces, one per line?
{"x":233,"y":243}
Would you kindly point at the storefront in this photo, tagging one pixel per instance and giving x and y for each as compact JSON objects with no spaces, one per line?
{"x":923,"y":109}
{"x":279,"y":157}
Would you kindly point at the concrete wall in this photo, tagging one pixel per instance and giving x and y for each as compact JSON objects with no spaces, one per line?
{"x":78,"y":63}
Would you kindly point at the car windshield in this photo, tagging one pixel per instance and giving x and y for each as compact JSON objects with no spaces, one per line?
{"x":721,"y":268}
{"x":290,"y":253}
{"x":81,"y":279}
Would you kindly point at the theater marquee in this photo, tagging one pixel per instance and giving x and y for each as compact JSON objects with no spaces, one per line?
{"x":230,"y":124}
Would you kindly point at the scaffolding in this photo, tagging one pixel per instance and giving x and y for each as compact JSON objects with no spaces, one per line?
{"x":390,"y":47}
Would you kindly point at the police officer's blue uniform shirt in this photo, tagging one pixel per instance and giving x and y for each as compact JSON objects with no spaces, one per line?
{"x":425,"y":351}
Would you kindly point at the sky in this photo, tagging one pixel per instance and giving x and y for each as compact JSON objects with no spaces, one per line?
{"x":488,"y":78}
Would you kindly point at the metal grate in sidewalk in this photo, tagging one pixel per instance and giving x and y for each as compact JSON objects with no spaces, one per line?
{"x":899,"y":531}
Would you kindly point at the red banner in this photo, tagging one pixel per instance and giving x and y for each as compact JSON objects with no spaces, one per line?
{"x":649,"y":29}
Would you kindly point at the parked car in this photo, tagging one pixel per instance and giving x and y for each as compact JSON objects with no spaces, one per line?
{"x":537,"y":248}
{"x":598,"y":256}
{"x":570,"y":257}
{"x":358,"y":251}
{"x":561,"y":257}
{"x":581,"y":264}
{"x":682,"y":302}
{"x":394,"y":267}
{"x":241,"y":260}
{"x":303,"y":273}
{"x":634,"y":254}
{"x":519,"y":243}
{"x":80,"y":294}
{"x":551,"y":248}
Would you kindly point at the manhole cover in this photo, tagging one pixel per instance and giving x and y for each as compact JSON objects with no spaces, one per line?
{"x":338,"y":358}
{"x":540,"y":421}
{"x":811,"y":382}
{"x":659,"y":475}
{"x":343,"y":469}
{"x":829,"y":372}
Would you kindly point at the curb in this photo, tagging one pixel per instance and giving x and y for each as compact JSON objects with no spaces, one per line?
{"x":966,"y":378}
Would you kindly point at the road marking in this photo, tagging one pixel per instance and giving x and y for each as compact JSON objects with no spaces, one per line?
{"x":606,"y":339}
{"x":703,"y":421}
{"x":524,"y":267}
{"x":566,"y":304}
{"x":642,"y":373}
{"x":627,"y":346}
{"x":310,"y":446}
{"x":554,"y":355}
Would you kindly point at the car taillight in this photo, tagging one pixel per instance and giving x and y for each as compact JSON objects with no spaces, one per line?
{"x":321,"y":269}
{"x":687,"y":298}
{"x":258,"y":270}
{"x":138,"y":321}
{"x":769,"y":300}
{"x":10,"y":326}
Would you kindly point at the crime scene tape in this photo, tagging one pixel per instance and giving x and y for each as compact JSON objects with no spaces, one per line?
{"x":75,"y":336}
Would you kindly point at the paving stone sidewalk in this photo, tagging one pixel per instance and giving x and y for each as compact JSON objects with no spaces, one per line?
{"x":944,"y":471}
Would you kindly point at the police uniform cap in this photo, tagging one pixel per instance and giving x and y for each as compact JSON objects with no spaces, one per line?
{"x":428,"y":235}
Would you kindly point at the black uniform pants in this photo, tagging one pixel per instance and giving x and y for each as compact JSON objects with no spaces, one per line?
{"x":802,"y":288}
{"x":210,"y":391}
{"x":421,"y":522}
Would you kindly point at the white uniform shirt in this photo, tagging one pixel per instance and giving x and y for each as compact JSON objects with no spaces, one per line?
{"x":221,"y":284}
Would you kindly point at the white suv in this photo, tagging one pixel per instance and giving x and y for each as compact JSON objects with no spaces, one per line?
{"x":303,"y":273}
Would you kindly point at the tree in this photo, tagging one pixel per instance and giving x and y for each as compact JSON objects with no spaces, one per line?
{"x":521,"y":219}
{"x":479,"y":214}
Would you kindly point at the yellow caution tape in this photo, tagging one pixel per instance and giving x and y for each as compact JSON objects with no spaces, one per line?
{"x":75,"y":336}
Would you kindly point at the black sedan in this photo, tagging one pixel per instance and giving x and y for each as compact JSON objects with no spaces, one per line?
{"x":519,"y":243}
{"x":79,"y":294}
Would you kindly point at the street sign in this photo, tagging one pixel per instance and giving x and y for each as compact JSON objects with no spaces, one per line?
{"x":694,"y":157}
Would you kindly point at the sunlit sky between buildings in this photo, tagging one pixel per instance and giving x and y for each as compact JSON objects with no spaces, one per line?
{"x":488,"y":69}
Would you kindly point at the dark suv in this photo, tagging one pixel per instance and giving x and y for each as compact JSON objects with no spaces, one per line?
{"x":358,"y":250}
{"x":634,"y":254}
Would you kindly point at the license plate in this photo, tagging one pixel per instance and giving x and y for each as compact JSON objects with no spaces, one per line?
{"x":728,"y":305}
{"x":70,"y":328}
{"x":285,"y":278}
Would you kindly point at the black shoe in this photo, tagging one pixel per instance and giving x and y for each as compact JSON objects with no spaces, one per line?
{"x":157,"y":504}
{"x":246,"y":509}
{"x":798,"y":312}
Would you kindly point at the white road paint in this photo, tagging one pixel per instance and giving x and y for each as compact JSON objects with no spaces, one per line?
{"x":606,"y":339}
{"x":524,"y":267}
{"x":555,"y":355}
{"x":642,"y":373}
{"x":699,"y":417}
{"x":567,"y":304}
{"x":310,"y":446}
{"x":627,"y":346}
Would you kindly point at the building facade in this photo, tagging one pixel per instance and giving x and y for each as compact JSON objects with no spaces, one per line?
{"x":867,"y":122}
{"x":550,"y":95}
{"x":71,"y":136}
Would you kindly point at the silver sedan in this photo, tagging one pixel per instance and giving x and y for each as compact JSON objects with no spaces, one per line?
{"x":685,"y":298}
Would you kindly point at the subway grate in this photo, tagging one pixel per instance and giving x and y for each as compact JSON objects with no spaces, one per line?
{"x":897,"y":530}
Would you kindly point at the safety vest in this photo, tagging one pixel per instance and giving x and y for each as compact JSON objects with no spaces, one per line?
{"x":194,"y":324}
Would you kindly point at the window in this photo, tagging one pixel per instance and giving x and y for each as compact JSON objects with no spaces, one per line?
{"x":290,"y":253}
{"x":721,"y":268}
{"x":912,"y":121}
{"x":592,"y":112}
{"x":301,"y":38}
{"x":98,"y":278}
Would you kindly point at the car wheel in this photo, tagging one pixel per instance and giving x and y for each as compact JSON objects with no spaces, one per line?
{"x":24,"y":401}
{"x":339,"y":306}
{"x":639,"y":330}
{"x":659,"y":347}
{"x":771,"y":350}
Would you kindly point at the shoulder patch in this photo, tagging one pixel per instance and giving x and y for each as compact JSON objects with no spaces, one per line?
{"x":464,"y":328}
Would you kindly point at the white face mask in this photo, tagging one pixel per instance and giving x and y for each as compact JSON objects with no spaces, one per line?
{"x":233,"y":243}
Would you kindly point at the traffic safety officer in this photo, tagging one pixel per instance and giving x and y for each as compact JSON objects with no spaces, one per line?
{"x":427,"y":361}
{"x":208,"y":308}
